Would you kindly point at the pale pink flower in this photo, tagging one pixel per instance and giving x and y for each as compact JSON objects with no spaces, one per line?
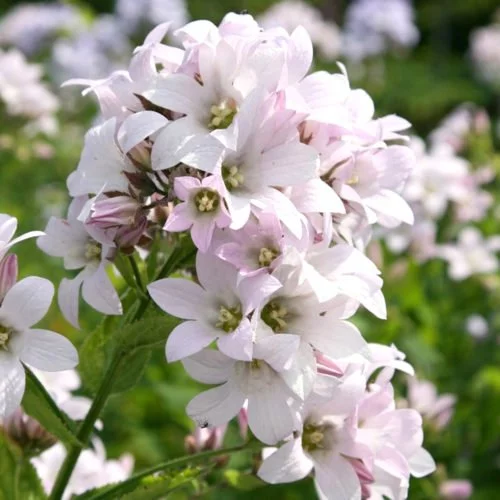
{"x":216,"y":310}
{"x":202,"y":209}
{"x":24,"y":305}
{"x":71,"y":240}
{"x":259,"y":382}
{"x":456,"y":489}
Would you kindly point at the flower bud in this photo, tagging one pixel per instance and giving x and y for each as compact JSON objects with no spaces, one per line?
{"x":8,"y":274}
{"x":115,"y":211}
{"x":456,"y":489}
{"x":204,"y":439}
{"x":326,"y":365}
{"x":27,"y":433}
{"x":364,"y":475}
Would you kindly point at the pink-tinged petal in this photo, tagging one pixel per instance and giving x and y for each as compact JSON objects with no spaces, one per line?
{"x":335,"y":479}
{"x":157,"y":34}
{"x":8,"y":227}
{"x":180,"y":219}
{"x":337,"y":339}
{"x":48,"y":351}
{"x":184,"y":185}
{"x":239,"y":208}
{"x":204,"y":152}
{"x":173,"y":142}
{"x":99,"y":293}
{"x":180,"y":297}
{"x":391,"y":208}
{"x":12,"y":383}
{"x":138,"y":127}
{"x":288,"y":464}
{"x":216,"y":406}
{"x":302,"y":374}
{"x":254,"y":290}
{"x":179,"y":93}
{"x":202,"y":232}
{"x":209,"y":366}
{"x":301,"y":56}
{"x":317,"y":196}
{"x":269,"y":416}
{"x":216,"y":276}
{"x":68,"y":297}
{"x":245,"y":120}
{"x":187,"y":339}
{"x":238,"y":344}
{"x":287,"y":165}
{"x":234,"y":253}
{"x":278,"y":350}
{"x":27,"y":302}
{"x":421,"y":463}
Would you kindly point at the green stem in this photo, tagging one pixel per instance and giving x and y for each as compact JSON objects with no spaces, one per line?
{"x":87,"y":426}
{"x":137,"y":273}
{"x":116,"y":490}
{"x":85,"y":430}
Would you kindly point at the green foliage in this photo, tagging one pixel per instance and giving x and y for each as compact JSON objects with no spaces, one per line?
{"x":18,"y":478}
{"x":38,"y":403}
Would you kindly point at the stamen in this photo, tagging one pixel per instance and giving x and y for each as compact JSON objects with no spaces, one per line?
{"x":267,"y":255}
{"x":229,"y":318}
{"x":232,"y":177}
{"x":222,"y":114}
{"x":207,"y":200}
{"x":274,"y":315}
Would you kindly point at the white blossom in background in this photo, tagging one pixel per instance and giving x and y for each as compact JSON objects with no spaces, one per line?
{"x":471,"y":254}
{"x":133,"y":14}
{"x":373,"y":27}
{"x":24,"y":95}
{"x":477,"y":326}
{"x":32,"y":26}
{"x":289,"y":14}
{"x":484,"y":44}
{"x":92,"y":470}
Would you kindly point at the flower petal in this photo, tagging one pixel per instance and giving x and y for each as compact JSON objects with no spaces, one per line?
{"x":209,"y":366}
{"x":216,"y":406}
{"x":187,"y":339}
{"x":335,"y":479}
{"x":68,"y":298}
{"x":27,"y":302}
{"x":287,"y":464}
{"x":12,"y":383}
{"x":48,"y":351}
{"x":180,"y":297}
{"x":238,"y":344}
{"x":99,"y":292}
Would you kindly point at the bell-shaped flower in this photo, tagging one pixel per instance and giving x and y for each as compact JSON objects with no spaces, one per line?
{"x":24,"y":305}
{"x":71,"y":240}
{"x":258,"y":382}
{"x":216,"y":310}
{"x":202,"y":209}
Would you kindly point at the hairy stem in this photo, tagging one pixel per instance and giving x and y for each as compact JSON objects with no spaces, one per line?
{"x":121,"y":488}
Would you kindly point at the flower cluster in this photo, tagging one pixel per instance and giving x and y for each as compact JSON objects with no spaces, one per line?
{"x":445,"y":181}
{"x":277,"y":176}
{"x":24,"y":95}
{"x":22,"y":305}
{"x":290,"y":14}
{"x":373,"y":27}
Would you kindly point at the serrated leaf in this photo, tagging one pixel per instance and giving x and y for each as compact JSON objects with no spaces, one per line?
{"x":38,"y":404}
{"x":241,"y":481}
{"x":18,"y":477}
{"x":132,"y":344}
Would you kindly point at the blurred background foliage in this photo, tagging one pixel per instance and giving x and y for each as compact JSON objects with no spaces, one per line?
{"x":426,"y":311}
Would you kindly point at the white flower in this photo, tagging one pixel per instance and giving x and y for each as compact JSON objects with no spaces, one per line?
{"x":25,"y":304}
{"x":71,"y":240}
{"x":8,"y":226}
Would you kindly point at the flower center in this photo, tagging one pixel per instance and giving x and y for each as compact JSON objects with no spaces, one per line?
{"x":317,"y":437}
{"x":266,"y":256}
{"x":5,"y":334}
{"x":229,"y":318}
{"x":207,"y":200}
{"x":222,"y":114}
{"x":93,"y":250}
{"x":275,"y":315}
{"x":232,"y":177}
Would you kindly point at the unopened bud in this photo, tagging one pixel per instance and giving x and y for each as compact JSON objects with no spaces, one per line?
{"x":456,"y":489}
{"x":326,"y":366}
{"x":27,"y":433}
{"x":112,"y":212}
{"x":8,"y":274}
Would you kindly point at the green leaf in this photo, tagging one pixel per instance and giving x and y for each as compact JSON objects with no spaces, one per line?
{"x":242,"y":481}
{"x":19,"y":479}
{"x":38,"y":404}
{"x":132,"y":344}
{"x":149,"y":487}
